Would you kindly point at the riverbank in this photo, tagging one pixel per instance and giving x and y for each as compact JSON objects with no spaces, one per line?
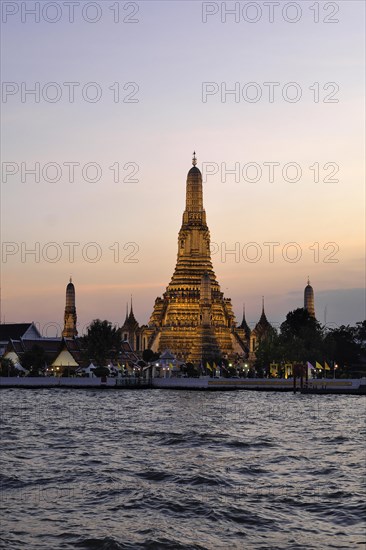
{"x":316,"y":386}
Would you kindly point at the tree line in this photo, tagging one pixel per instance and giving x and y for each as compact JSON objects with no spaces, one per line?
{"x":302,"y":338}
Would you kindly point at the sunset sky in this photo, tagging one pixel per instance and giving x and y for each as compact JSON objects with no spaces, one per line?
{"x":166,"y":56}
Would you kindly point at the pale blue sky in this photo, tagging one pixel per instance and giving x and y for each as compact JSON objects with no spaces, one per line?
{"x":170,"y":53}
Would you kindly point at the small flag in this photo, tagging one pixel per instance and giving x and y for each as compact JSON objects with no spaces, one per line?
{"x":208,"y":367}
{"x":327,"y":367}
{"x":318,"y":365}
{"x":310,"y":369}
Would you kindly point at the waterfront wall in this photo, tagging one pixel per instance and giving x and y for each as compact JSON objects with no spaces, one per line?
{"x":54,"y":381}
{"x":327,"y":385}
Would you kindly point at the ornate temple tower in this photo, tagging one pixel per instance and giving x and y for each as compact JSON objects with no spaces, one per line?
{"x":193,"y":319}
{"x":245,"y":327}
{"x":70,"y":317}
{"x":261,"y":330}
{"x":130,"y":330}
{"x":309,"y":299}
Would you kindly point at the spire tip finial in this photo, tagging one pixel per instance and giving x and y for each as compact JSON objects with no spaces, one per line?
{"x":194,"y":159}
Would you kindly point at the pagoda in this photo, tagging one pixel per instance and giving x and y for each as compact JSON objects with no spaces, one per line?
{"x":309,"y":299}
{"x":193,"y":319}
{"x":70,"y":317}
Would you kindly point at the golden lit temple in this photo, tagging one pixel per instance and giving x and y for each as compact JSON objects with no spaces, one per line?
{"x":193,"y":318}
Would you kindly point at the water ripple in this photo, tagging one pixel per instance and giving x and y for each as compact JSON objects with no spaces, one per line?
{"x":181,"y":470}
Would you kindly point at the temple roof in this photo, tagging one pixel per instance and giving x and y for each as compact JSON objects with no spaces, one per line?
{"x":130,"y":321}
{"x":263,"y":325}
{"x":15,"y":331}
{"x":167,"y":355}
{"x":244,"y":325}
{"x":127,"y":353}
{"x":52,"y":347}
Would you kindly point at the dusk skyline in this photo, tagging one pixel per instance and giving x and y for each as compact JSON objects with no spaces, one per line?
{"x":178,"y":68}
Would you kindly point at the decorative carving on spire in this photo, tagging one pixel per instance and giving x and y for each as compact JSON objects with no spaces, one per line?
{"x":194,"y":159}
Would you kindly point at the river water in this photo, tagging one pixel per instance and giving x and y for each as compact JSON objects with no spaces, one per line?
{"x":155,"y":469}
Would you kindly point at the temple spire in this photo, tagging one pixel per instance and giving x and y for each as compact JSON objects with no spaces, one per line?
{"x":263,"y":318}
{"x":130,"y":317}
{"x":244,"y":320}
{"x":70,"y":318}
{"x":309,"y":299}
{"x":244,"y":325}
{"x":194,"y":196}
{"x":193,"y":318}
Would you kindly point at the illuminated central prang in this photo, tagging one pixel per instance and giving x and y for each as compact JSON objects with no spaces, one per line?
{"x":193,"y":319}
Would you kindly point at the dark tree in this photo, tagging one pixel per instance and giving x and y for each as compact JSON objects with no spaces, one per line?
{"x":344,"y":344}
{"x":301,"y":337}
{"x":268,"y":350}
{"x":149,"y":356}
{"x":360,"y":334}
{"x":7,"y":367}
{"x":99,"y":372}
{"x":192,"y":371}
{"x":299,"y":322}
{"x":102,"y":342}
{"x":34,"y":361}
